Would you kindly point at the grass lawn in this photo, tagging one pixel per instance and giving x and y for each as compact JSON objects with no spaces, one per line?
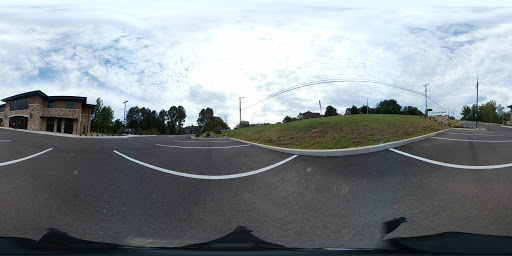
{"x":338,"y":131}
{"x":454,"y":123}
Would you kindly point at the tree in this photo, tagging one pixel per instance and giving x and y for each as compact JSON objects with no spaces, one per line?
{"x":205,"y":119}
{"x":354,"y":110}
{"x":330,"y":111}
{"x":161,"y":119}
{"x":102,"y":118}
{"x":106,"y":123}
{"x":118,"y":126}
{"x":466,"y":113}
{"x":96,"y":115}
{"x":219,"y":124}
{"x":244,"y":124}
{"x":287,"y":119}
{"x":388,"y":107}
{"x":410,"y":110}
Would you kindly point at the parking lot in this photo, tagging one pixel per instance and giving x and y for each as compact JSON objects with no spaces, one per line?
{"x":175,"y":190}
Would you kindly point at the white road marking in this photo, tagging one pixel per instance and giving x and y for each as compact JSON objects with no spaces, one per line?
{"x":208,"y":177}
{"x":25,"y":158}
{"x":506,"y":126}
{"x":471,"y":134}
{"x":170,"y":146}
{"x":440,"y":138}
{"x":5,"y":140}
{"x":473,"y":167}
{"x":203,"y":140}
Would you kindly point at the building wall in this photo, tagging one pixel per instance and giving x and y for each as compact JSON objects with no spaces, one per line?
{"x":62,"y":113}
{"x":38,"y":100}
{"x":62,"y":104}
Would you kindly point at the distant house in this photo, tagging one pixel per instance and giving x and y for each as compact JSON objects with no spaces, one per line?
{"x":308,"y":115}
{"x":193,"y":129}
{"x":348,"y":111}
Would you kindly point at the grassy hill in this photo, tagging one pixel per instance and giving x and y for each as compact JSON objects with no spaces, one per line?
{"x":338,"y":131}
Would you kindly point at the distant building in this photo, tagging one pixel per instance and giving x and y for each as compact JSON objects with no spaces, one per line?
{"x":37,"y":111}
{"x":308,"y":115}
{"x":193,"y":129}
{"x":348,"y":111}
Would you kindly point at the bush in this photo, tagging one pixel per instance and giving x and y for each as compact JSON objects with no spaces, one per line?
{"x":207,"y":134}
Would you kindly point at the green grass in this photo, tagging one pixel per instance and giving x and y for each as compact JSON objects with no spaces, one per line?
{"x":338,"y":131}
{"x":454,"y":123}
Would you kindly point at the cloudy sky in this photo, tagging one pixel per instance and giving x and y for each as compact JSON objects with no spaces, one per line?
{"x":202,"y":54}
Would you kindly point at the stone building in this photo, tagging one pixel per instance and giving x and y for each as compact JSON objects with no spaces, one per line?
{"x":36,"y":111}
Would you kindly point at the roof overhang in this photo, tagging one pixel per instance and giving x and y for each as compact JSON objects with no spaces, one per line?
{"x":25,"y":95}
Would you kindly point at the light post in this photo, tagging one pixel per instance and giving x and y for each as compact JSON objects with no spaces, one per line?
{"x":124,"y":118}
{"x":240,"y":104}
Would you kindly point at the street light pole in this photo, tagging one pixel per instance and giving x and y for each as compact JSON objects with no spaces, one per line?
{"x":240,"y":104}
{"x":426,"y":111}
{"x":124,"y":113}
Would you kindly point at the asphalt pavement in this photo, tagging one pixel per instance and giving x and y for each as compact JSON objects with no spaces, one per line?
{"x":175,"y":190}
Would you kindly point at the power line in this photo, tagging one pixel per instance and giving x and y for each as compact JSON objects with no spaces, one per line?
{"x":338,"y":81}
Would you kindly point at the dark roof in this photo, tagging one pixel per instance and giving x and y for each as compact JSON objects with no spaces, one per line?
{"x":509,"y":106}
{"x":74,"y":98}
{"x":2,"y":105}
{"x":50,"y":98}
{"x":25,"y":95}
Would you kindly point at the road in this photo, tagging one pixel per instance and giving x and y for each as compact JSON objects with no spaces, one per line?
{"x":174,"y":190}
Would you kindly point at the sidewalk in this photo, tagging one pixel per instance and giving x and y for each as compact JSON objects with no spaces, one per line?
{"x":75,"y":136}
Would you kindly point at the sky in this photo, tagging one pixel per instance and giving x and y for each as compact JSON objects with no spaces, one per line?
{"x":201,"y":54}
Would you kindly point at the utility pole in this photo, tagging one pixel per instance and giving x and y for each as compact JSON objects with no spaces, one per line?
{"x":476,"y":124}
{"x":319,"y":103}
{"x":124,"y":113}
{"x":426,"y":111}
{"x":367,"y":107}
{"x":240,"y":101}
{"x":226,"y":119}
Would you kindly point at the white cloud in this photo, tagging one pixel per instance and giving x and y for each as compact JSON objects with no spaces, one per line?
{"x":205,"y":54}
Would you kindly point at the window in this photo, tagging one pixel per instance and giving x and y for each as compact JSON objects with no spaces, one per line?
{"x":19,"y":104}
{"x":2,"y":109}
{"x":70,"y":105}
{"x":51,"y":104}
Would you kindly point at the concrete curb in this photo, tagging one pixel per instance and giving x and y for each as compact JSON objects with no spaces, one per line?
{"x":195,"y":138}
{"x":74,"y":136}
{"x":345,"y":151}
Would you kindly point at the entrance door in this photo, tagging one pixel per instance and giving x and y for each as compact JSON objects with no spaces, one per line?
{"x":19,"y":122}
{"x":68,"y":126}
{"x":59,"y":125}
{"x":50,"y":123}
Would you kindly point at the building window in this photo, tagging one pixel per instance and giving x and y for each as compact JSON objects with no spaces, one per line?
{"x":19,"y":104}
{"x":70,"y":105}
{"x":2,"y":109}
{"x":51,"y":104}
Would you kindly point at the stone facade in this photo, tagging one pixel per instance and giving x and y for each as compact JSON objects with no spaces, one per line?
{"x":74,"y":119}
{"x":440,"y":119}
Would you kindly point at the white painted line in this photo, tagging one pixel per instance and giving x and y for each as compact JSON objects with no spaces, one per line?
{"x":208,"y":177}
{"x":473,"y":167}
{"x":471,"y":134}
{"x":440,"y":138}
{"x":25,"y":158}
{"x":170,"y":146}
{"x":506,"y":126}
{"x":203,"y":140}
{"x":5,"y":140}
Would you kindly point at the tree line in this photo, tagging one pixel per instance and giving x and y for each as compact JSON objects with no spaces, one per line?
{"x":142,"y":120}
{"x":389,"y":106}
{"x":489,"y":112}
